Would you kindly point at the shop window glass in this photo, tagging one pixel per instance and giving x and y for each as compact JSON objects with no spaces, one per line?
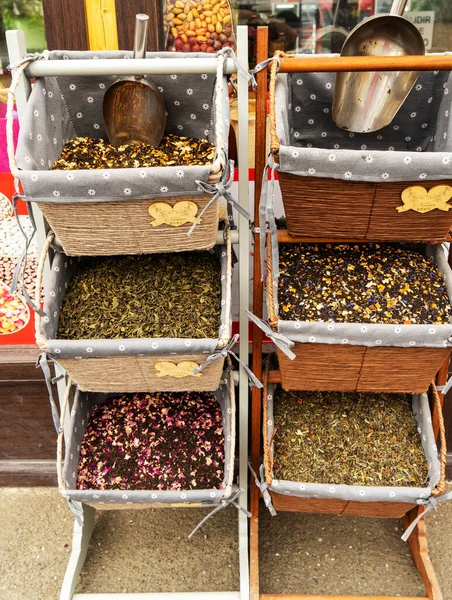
{"x":320,"y":26}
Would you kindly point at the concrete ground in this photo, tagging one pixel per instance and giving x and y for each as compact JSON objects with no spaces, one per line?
{"x":148,"y":551}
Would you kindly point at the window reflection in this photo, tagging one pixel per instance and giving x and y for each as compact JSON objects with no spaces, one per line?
{"x":320,"y":26}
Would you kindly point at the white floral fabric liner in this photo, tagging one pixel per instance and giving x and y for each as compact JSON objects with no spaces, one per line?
{"x":421,"y":410}
{"x":63,"y":268}
{"x":62,"y":108}
{"x":370,"y":334}
{"x":84,"y":403}
{"x":416,"y":146}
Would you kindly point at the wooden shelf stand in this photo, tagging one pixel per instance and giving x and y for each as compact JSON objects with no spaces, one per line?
{"x":418,"y":539}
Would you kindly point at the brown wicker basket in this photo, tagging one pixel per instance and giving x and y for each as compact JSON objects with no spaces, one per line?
{"x":318,"y":207}
{"x":338,"y":367}
{"x":337,"y":506}
{"x":113,"y":373}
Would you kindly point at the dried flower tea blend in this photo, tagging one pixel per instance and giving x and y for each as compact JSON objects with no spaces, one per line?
{"x":347,"y":438}
{"x":162,"y":441}
{"x":173,"y":150}
{"x":160,"y":295}
{"x":364,"y":283}
{"x":14,"y":313}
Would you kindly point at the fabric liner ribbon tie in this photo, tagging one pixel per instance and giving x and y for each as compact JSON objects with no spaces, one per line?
{"x":226,"y":502}
{"x":42,"y":362}
{"x":280,"y":340}
{"x":261,"y":66}
{"x":445,"y":388}
{"x":27,"y":59}
{"x":267,"y":215}
{"x":263,"y":487}
{"x":229,"y":53}
{"x":218,"y":190}
{"x":223,"y":354}
{"x":429,"y":504}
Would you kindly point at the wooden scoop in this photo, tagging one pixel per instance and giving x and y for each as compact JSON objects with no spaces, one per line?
{"x":133,"y":108}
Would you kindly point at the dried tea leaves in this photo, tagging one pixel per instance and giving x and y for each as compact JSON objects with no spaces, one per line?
{"x":154,"y":296}
{"x":362,"y":283}
{"x":347,"y":438}
{"x":154,"y":442}
{"x":173,"y":150}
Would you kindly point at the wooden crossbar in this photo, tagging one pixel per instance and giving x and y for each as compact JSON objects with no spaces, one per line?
{"x":331,"y":64}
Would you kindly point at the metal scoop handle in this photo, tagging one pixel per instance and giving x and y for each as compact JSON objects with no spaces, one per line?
{"x":397,"y":7}
{"x":141,"y":36}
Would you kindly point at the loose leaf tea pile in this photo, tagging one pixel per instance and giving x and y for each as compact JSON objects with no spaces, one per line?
{"x":347,"y":438}
{"x":154,"y":442}
{"x":365,"y":283}
{"x":160,"y":295}
{"x":173,"y":150}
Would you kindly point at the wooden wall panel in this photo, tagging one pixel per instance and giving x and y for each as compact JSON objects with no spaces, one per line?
{"x":125,"y":22}
{"x":65,"y":24}
{"x":26,"y":427}
{"x":27,"y":434}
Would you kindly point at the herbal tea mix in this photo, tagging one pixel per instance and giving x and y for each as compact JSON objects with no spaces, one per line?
{"x":366,"y":283}
{"x":347,"y":438}
{"x":173,"y":150}
{"x":154,"y":442}
{"x":160,"y":295}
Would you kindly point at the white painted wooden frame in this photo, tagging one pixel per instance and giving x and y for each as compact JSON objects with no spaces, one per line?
{"x":82,"y":533}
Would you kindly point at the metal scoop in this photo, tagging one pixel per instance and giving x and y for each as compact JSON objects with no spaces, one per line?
{"x":367,"y":101}
{"x":133,"y":108}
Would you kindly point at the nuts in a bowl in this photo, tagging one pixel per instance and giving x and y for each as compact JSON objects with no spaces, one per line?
{"x":198,"y":27}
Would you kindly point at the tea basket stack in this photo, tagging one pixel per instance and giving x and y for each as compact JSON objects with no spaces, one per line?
{"x":339,"y":187}
{"x":107,"y":212}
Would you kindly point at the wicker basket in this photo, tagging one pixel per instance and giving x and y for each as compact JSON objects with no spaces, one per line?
{"x":340,"y":208}
{"x":76,"y":421}
{"x":339,"y":365}
{"x":305,"y":501}
{"x":107,"y":211}
{"x":132,"y":364}
{"x":124,"y":227}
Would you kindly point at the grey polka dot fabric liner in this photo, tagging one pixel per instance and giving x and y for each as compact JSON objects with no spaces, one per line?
{"x":369,"y":334}
{"x":77,"y":423}
{"x":421,"y":410}
{"x":416,"y":146}
{"x":61,"y":108}
{"x":63,"y":268}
